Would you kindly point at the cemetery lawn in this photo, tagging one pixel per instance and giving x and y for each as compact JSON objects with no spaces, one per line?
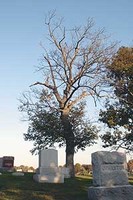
{"x":25,"y":188}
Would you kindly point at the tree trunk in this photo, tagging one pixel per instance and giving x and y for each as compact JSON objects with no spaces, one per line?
{"x":69,"y":137}
{"x":70,"y":159}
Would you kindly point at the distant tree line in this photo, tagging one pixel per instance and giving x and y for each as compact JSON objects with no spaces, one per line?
{"x":83,"y":169}
{"x":24,"y":168}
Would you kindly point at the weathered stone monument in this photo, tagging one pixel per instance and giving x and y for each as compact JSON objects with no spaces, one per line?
{"x":110,"y":178}
{"x":48,"y":170}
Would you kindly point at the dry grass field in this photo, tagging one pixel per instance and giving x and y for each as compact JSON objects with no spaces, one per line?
{"x":25,"y":188}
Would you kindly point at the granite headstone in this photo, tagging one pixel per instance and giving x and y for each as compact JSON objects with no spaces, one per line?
{"x":110,"y":177}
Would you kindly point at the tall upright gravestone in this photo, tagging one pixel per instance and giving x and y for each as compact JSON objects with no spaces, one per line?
{"x":110,"y":178}
{"x":48,"y":170}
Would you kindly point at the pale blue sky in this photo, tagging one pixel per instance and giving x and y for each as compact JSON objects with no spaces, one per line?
{"x":21,"y":30}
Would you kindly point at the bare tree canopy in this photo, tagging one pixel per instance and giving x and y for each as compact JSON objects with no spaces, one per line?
{"x":73,"y":68}
{"x":74,"y":65}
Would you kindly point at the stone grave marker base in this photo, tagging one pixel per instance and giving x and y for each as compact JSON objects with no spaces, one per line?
{"x":49,"y":175}
{"x":124,"y":192}
{"x":48,"y":178}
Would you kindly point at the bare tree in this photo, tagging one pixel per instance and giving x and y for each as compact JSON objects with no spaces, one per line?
{"x":74,"y":68}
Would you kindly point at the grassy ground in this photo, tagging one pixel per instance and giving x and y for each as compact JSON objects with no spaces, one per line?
{"x":24,"y":188}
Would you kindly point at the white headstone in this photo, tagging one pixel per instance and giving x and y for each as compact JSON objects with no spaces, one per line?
{"x":48,"y":170}
{"x":48,"y":158}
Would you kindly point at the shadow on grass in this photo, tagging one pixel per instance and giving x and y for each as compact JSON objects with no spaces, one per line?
{"x":24,"y":188}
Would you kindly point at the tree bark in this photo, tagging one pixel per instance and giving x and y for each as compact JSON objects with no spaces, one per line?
{"x":70,"y":155}
{"x":69,"y":137}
